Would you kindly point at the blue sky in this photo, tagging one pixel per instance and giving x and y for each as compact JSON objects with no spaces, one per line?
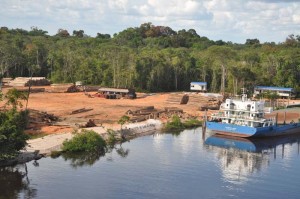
{"x":228,"y":20}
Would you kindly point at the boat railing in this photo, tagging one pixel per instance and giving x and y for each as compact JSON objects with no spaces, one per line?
{"x":243,"y":117}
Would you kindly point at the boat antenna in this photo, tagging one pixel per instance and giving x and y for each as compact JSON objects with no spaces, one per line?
{"x":244,"y":95}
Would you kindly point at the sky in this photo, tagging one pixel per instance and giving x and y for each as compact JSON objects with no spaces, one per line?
{"x":227,"y":20}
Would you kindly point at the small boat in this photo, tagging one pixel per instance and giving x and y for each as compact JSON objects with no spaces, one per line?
{"x":246,"y":118}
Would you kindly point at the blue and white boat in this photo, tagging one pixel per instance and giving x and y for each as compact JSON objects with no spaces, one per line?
{"x":246,"y":118}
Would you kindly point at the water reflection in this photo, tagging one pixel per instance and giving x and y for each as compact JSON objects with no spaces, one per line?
{"x":83,"y":158}
{"x":240,"y":157}
{"x":14,"y":180}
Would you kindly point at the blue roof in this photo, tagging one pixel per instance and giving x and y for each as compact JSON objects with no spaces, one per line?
{"x":200,"y":83}
{"x":273,"y":88}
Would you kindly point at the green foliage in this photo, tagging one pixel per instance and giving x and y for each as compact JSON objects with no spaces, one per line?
{"x":80,"y":159}
{"x":111,"y":140}
{"x":149,"y":58}
{"x":87,"y":140}
{"x":124,"y":119}
{"x":55,"y":154}
{"x":174,"y":124}
{"x":14,"y":97}
{"x":191,"y":123}
{"x":12,"y":138}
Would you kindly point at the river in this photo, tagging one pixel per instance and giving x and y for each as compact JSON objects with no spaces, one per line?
{"x":188,"y":165}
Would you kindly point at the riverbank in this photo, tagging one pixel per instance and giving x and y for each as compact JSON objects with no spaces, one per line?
{"x":43,"y":146}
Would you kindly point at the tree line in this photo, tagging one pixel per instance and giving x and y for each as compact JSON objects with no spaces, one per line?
{"x":149,"y":58}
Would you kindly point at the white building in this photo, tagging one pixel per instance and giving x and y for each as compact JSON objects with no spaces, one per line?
{"x":198,"y":86}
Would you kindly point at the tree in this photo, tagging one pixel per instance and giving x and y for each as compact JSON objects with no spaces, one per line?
{"x":252,"y":41}
{"x":78,"y":33}
{"x":103,"y":36}
{"x":62,"y":33}
{"x":14,"y":98}
{"x":124,"y":119}
{"x":37,"y":32}
{"x":12,"y":125}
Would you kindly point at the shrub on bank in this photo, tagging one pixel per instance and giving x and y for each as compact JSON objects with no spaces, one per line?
{"x":87,"y":140}
{"x":176,"y":125}
{"x":111,"y":140}
{"x":12,"y":137}
{"x":192,"y":123}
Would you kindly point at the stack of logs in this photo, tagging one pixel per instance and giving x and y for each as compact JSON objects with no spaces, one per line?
{"x":63,"y":88}
{"x":201,"y":102}
{"x":178,"y":98}
{"x":149,"y":112}
{"x":29,"y":81}
{"x":39,"y":118}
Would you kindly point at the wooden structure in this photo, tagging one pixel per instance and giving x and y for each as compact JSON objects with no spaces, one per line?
{"x":149,"y":112}
{"x":280,"y":91}
{"x":6,"y":80}
{"x":29,"y":81}
{"x":200,"y":101}
{"x":63,"y":88}
{"x":116,"y":93}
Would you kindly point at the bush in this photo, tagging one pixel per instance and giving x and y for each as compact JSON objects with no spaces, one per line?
{"x":111,"y":140}
{"x":12,"y":137}
{"x":87,"y":140}
{"x":192,"y":123}
{"x":177,"y":125}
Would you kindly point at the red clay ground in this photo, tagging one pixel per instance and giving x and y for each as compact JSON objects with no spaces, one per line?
{"x":104,"y":111}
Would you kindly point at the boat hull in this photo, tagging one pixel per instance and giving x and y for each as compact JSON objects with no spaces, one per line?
{"x":247,"y":131}
{"x":251,"y":144}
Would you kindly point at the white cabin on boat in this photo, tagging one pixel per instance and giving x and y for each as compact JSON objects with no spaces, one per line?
{"x":244,"y":112}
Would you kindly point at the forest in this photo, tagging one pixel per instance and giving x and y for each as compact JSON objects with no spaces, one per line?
{"x":149,"y":58}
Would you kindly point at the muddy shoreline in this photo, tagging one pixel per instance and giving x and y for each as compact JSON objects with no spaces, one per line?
{"x":42,"y":147}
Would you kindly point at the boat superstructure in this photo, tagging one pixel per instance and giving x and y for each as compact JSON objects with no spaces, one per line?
{"x":245,"y":118}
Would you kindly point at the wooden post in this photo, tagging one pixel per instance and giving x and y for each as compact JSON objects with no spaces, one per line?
{"x":204,"y":125}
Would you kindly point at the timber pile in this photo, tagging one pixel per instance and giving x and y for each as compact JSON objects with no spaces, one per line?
{"x":39,"y":118}
{"x":6,"y":80}
{"x":26,"y":81}
{"x":90,"y":123}
{"x":82,"y":110}
{"x":63,"y":88}
{"x":197,"y":100}
{"x":204,"y":102}
{"x":149,"y":112}
{"x":32,"y":90}
{"x":178,"y":98}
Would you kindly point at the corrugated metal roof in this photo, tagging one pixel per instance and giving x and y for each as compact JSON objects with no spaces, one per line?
{"x":200,"y":83}
{"x":118,"y":90}
{"x":273,"y":88}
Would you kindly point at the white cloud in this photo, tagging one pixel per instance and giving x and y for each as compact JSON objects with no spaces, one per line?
{"x":217,"y":19}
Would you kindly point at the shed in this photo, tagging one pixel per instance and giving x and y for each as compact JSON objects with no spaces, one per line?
{"x":123,"y":92}
{"x":198,"y":86}
{"x":281,"y":91}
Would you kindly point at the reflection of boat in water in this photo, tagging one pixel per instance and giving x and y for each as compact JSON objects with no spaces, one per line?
{"x":238,"y":158}
{"x":246,"y":118}
{"x":251,"y":144}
